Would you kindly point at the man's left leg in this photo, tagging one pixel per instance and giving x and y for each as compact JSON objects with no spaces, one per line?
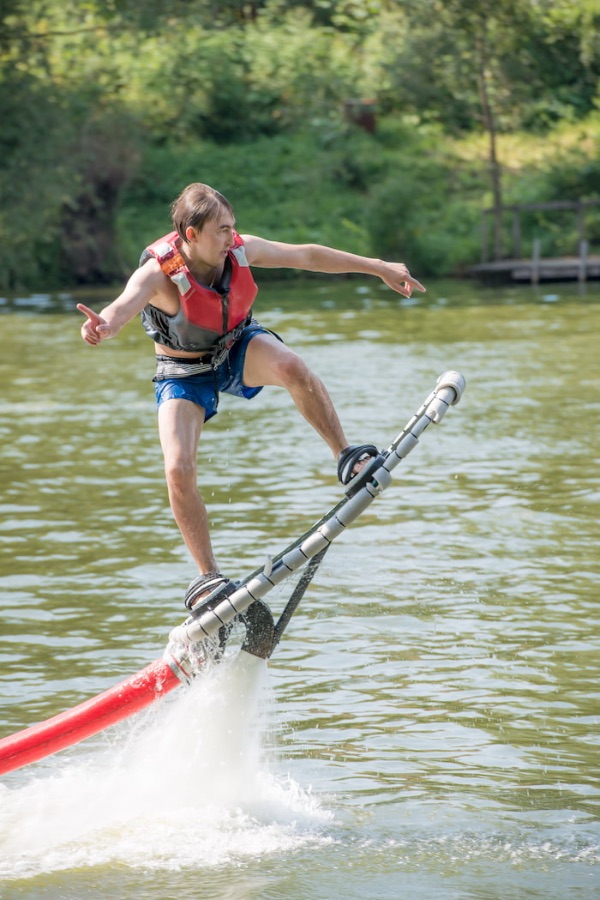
{"x":270,"y":362}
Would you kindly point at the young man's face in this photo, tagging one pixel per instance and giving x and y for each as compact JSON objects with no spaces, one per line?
{"x":212,"y":243}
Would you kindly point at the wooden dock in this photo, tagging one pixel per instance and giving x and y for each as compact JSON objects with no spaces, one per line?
{"x":581,"y":267}
{"x":564,"y":268}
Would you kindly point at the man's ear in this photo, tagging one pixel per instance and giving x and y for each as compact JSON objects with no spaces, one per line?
{"x":190,"y":233}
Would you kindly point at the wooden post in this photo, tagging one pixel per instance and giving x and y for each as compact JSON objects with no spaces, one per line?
{"x":516,"y":234}
{"x":580,"y":222}
{"x":484,"y":236}
{"x":583,"y":254}
{"x":535,"y":261}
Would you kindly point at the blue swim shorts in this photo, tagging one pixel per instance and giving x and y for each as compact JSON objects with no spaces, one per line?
{"x":227,"y":378}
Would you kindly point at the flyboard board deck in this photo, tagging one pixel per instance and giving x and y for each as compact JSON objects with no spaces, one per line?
{"x":201,"y":638}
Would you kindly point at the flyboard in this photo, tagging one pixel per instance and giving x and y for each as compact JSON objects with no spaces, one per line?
{"x":200,"y":640}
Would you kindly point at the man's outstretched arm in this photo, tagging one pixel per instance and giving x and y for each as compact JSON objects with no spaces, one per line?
{"x":318,"y":258}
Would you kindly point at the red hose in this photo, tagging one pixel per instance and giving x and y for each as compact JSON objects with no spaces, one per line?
{"x":87,"y":718}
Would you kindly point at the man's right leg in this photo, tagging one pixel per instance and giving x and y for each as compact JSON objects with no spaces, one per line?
{"x":180,"y":426}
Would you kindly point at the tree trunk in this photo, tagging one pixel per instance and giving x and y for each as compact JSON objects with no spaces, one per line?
{"x":489,"y":121}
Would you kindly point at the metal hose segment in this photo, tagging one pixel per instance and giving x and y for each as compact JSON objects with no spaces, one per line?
{"x":448,"y":391}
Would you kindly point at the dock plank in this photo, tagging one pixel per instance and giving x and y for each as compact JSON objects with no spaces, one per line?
{"x":564,"y":268}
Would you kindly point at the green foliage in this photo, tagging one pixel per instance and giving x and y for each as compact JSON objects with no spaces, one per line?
{"x":420,"y":212}
{"x":346,"y":189}
{"x":109,"y":108}
{"x":538,"y":61}
{"x":61,"y":174}
{"x":572,"y":173}
{"x":35,"y":179}
{"x":286,"y":188}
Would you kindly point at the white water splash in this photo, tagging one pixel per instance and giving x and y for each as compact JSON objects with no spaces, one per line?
{"x":187,"y":785}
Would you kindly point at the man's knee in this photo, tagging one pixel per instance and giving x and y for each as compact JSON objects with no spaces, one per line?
{"x":289,"y":369}
{"x":180,"y":474}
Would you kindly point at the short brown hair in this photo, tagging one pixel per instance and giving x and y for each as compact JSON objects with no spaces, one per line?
{"x":196,"y":204}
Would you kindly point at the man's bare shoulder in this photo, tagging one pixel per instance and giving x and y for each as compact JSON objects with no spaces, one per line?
{"x":250,"y":242}
{"x":262,"y":252}
{"x":149,"y":273}
{"x":149,"y":284}
{"x":152,"y":280}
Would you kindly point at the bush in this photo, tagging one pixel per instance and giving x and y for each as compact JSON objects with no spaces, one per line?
{"x":422,"y":216}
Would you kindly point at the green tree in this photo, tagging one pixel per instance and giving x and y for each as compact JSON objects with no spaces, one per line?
{"x":492,"y":64}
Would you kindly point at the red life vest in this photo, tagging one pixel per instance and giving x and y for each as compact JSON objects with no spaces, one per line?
{"x":206,"y":313}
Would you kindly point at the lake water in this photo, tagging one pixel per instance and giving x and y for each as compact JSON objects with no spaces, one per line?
{"x":428,"y":726}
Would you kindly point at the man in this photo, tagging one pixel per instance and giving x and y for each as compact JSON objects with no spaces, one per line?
{"x":194,"y":290}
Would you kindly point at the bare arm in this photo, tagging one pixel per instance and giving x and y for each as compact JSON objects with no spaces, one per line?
{"x":139,"y":291}
{"x":317,"y":258}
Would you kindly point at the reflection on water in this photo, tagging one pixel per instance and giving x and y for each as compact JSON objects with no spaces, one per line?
{"x":429,"y":724}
